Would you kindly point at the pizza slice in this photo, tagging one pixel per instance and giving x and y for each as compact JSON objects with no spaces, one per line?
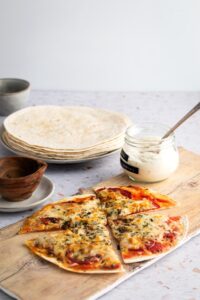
{"x":81,"y":210}
{"x":77,"y":253}
{"x":124,"y":200}
{"x":144,"y":236}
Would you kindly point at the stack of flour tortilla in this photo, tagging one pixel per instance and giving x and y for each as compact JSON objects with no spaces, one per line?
{"x":64,"y":132}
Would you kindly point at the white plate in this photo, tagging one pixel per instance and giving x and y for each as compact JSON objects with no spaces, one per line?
{"x":54,"y":161}
{"x":43,"y":192}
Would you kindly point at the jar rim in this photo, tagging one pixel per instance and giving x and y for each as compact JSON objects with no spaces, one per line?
{"x":143,"y":125}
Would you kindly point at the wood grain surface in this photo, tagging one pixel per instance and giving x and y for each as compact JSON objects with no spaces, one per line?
{"x":28,"y":277}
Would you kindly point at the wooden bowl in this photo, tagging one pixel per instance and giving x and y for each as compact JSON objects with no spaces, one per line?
{"x":19,"y":177}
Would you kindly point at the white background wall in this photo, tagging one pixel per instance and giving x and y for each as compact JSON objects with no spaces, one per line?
{"x":102,"y":44}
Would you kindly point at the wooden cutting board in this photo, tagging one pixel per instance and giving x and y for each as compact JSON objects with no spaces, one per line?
{"x":27,"y":277}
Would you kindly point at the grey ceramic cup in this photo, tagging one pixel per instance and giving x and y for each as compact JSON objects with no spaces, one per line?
{"x":14,"y":93}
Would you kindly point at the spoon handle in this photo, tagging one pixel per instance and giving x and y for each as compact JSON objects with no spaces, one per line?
{"x":183,"y":119}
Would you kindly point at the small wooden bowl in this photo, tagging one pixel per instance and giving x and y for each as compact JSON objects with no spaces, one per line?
{"x":19,"y":177}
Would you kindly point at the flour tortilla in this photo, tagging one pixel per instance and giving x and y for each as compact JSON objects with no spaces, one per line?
{"x":17,"y":141}
{"x":61,"y":154}
{"x":11,"y":140}
{"x":60,"y":128}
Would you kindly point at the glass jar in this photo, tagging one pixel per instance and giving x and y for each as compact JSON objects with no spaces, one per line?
{"x":145,"y":156}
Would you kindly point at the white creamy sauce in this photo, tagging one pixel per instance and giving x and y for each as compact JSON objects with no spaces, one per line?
{"x":155,"y":160}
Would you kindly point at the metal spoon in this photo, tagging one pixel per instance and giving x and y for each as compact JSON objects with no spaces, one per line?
{"x":183,"y":119}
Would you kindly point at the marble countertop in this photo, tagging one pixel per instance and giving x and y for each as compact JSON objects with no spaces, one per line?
{"x":177,"y":276}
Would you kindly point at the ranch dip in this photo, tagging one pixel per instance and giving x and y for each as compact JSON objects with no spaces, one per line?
{"x":146,"y":157}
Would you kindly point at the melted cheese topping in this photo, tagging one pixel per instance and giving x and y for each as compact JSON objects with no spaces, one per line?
{"x":66,"y":214}
{"x":80,"y":248}
{"x":134,"y":231}
{"x":122,"y":207}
